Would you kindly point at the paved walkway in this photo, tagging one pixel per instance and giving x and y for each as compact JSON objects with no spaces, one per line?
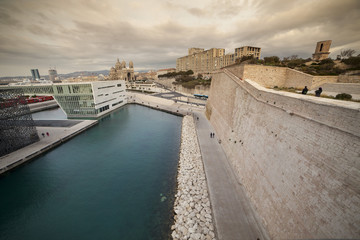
{"x":233,"y":214}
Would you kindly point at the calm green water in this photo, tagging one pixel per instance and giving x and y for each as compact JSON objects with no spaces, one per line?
{"x":106,"y":183}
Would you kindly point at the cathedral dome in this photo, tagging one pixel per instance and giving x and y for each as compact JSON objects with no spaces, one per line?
{"x":131,"y":64}
{"x":123,"y":64}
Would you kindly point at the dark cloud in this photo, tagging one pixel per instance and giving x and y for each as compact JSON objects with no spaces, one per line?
{"x":90,"y":35}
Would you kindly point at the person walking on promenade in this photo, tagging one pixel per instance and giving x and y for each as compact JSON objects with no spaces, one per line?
{"x":43,"y":134}
{"x":211,"y":135}
{"x":305,"y":90}
{"x":47,"y":134}
{"x":318,"y":92}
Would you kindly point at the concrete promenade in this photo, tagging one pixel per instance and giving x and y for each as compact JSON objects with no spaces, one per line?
{"x":57,"y":136}
{"x":233,"y":213}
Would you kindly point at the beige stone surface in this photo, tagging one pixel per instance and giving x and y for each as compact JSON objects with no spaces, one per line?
{"x":350,"y":77}
{"x":297,"y":156}
{"x":270,"y":76}
{"x":322,"y":50}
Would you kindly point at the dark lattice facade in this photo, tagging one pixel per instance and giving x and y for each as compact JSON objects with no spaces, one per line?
{"x":17,"y":128}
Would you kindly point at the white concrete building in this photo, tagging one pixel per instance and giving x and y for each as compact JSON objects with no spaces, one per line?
{"x":82,"y":99}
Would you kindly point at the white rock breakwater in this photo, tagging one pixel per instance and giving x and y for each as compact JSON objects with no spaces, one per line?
{"x":193,"y":219}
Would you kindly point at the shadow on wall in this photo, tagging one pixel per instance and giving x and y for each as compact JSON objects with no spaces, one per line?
{"x":297,"y":157}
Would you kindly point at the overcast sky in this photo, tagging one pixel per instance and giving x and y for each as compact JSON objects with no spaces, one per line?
{"x":90,"y":35}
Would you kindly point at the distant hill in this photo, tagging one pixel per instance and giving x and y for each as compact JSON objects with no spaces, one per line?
{"x":83,"y":73}
{"x":66,"y":75}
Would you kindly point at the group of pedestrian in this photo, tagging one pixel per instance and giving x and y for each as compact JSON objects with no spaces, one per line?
{"x":212,"y":135}
{"x":317,"y":92}
{"x":47,"y":134}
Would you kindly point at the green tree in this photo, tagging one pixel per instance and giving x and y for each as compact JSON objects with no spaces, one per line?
{"x":273,"y":60}
{"x":190,"y":72}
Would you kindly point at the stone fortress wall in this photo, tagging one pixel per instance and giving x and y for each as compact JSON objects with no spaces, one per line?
{"x":269,"y":76}
{"x":296,"y":155}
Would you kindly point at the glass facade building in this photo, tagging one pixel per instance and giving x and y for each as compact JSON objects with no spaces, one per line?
{"x":35,"y":74}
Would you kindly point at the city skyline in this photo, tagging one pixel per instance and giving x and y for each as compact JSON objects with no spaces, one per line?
{"x":91,"y":35}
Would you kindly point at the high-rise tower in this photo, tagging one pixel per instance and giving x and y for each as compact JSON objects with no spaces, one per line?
{"x":35,"y":74}
{"x":52,"y":74}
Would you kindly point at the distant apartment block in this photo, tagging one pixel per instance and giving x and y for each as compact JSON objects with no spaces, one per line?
{"x":195,"y":50}
{"x":207,"y":61}
{"x":52,"y":74}
{"x":200,"y":60}
{"x":247,"y":51}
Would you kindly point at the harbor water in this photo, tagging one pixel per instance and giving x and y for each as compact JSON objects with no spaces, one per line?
{"x":116,"y":180}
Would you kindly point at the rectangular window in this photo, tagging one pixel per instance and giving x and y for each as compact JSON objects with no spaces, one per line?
{"x":76,"y":89}
{"x":60,"y":90}
{"x":106,"y":87}
{"x":104,"y":108}
{"x":117,"y":103}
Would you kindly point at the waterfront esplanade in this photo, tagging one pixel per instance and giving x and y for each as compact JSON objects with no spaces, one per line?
{"x":81,"y":100}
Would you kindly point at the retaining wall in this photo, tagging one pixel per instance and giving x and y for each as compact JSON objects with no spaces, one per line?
{"x":350,"y":77}
{"x":296,"y":155}
{"x":199,"y":89}
{"x":270,"y":76}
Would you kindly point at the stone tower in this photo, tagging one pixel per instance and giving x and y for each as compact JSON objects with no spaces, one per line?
{"x":322,"y":50}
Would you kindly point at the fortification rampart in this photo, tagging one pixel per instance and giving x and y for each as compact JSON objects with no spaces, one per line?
{"x":270,"y":76}
{"x":297,"y":156}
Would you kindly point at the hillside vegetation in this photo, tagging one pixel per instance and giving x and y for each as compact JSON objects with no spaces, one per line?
{"x":187,"y":79}
{"x":323,"y":67}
